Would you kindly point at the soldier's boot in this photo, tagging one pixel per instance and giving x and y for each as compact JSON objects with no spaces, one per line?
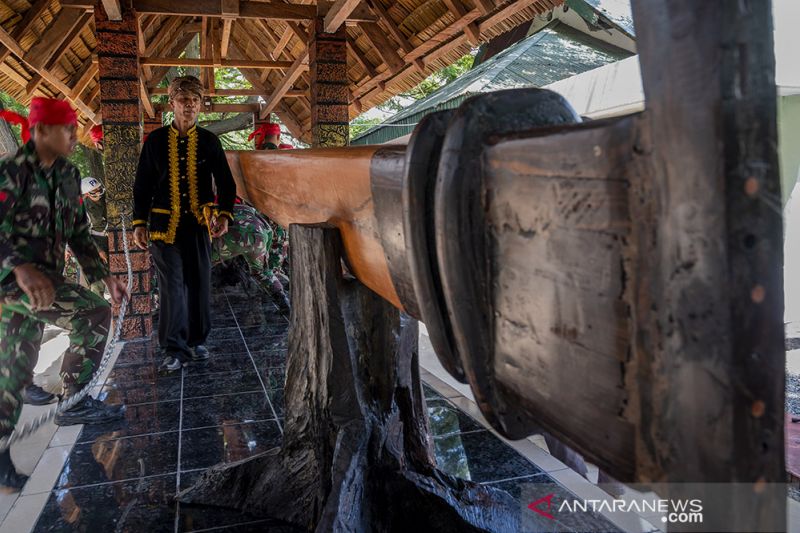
{"x":35,"y":395}
{"x":279,"y":296}
{"x":10,"y":479}
{"x":88,"y":411}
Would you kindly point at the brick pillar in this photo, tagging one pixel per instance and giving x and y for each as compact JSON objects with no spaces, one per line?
{"x":150,"y":124}
{"x":328,"y":63}
{"x":121,"y":111}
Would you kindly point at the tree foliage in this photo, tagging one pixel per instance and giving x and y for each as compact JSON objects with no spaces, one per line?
{"x":428,"y":86}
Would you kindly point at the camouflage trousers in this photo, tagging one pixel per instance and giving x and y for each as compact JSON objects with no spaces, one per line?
{"x":73,"y":274}
{"x":76,"y":309}
{"x":251,"y":237}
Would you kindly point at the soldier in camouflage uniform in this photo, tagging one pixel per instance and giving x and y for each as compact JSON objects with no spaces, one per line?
{"x":94,"y":202}
{"x":268,"y":137}
{"x":40,"y":212}
{"x":250,"y":236}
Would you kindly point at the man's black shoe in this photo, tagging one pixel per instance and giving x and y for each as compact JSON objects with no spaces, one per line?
{"x":90,"y":411}
{"x":35,"y":395}
{"x":200,"y":353}
{"x":10,"y":480}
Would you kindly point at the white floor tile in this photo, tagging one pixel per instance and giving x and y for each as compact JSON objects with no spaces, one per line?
{"x":24,"y":514}
{"x":47,"y":470}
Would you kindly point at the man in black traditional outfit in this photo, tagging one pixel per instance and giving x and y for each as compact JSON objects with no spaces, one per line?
{"x":174,"y":208}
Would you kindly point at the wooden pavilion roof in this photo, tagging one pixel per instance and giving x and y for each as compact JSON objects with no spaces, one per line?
{"x":47,"y":46}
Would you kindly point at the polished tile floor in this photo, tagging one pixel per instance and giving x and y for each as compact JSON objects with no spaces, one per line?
{"x":123,"y":477}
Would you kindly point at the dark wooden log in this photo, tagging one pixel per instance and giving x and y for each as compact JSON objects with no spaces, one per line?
{"x":356,"y":454}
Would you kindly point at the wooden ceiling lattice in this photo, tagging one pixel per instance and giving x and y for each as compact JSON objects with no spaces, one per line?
{"x":47,"y":46}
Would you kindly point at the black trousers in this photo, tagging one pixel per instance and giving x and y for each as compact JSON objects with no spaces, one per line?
{"x":184,"y":287}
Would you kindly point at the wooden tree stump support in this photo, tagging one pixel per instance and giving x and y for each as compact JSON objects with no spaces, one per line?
{"x":357,"y":452}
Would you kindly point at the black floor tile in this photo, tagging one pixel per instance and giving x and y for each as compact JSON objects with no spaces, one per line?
{"x":221,"y":520}
{"x":130,"y":506}
{"x":221,"y":363}
{"x":430,"y":393}
{"x":161,"y":389}
{"x":139,"y":352}
{"x":245,"y":380}
{"x":274,"y":378}
{"x":203,"y":448}
{"x":114,"y":459}
{"x":480,"y":457}
{"x":226,"y":409}
{"x":139,"y":371}
{"x":139,"y":420}
{"x":444,"y":419}
{"x":221,"y":347}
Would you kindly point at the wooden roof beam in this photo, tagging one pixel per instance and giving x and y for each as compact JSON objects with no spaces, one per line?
{"x":362,"y":60}
{"x":227,"y":27}
{"x":67,"y":40}
{"x":113,"y":9}
{"x":384,"y":17}
{"x":471,"y":29}
{"x":386,"y":49}
{"x":291,"y":93}
{"x":147,"y":104}
{"x":87,"y":75}
{"x":141,"y":45}
{"x":213,"y":8}
{"x":176,"y":48}
{"x":211,"y":62}
{"x":510,"y":10}
{"x":60,"y":86}
{"x":485,"y":6}
{"x":53,"y":37}
{"x":31,"y":15}
{"x":338,"y":13}
{"x":167,"y":30}
{"x":300,"y":64}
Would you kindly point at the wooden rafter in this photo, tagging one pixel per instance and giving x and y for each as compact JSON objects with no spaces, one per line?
{"x":213,"y":8}
{"x":88,"y":72}
{"x":471,"y":29}
{"x":281,"y":110}
{"x":30,"y":16}
{"x":509,"y":11}
{"x":48,"y":76}
{"x":300,"y":64}
{"x":486,"y":6}
{"x":227,"y":27}
{"x":56,"y":54}
{"x":113,"y":9}
{"x":292,"y":93}
{"x":141,"y":45}
{"x":211,"y":62}
{"x":165,"y":32}
{"x":338,"y":13}
{"x":386,"y":49}
{"x":147,"y":104}
{"x":174,"y":50}
{"x":62,"y":26}
{"x":362,"y":60}
{"x":384,"y":17}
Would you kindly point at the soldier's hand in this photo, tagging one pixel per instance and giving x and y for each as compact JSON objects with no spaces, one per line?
{"x":103,"y":256}
{"x":117,"y":289}
{"x":220,"y":227}
{"x":36,"y":285}
{"x":140,"y":237}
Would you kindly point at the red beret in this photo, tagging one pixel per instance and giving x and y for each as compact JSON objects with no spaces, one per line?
{"x":96,"y":133}
{"x":51,"y":112}
{"x":262,"y":131}
{"x":284,"y":146}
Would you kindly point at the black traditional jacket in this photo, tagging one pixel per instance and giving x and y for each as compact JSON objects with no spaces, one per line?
{"x":174,"y":178}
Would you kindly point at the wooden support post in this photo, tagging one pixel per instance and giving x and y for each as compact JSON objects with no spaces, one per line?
{"x":117,"y":50}
{"x":356,"y":453}
{"x":330,"y":119}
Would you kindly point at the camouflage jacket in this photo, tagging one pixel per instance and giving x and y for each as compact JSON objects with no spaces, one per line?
{"x":97,"y":215}
{"x":40,"y":213}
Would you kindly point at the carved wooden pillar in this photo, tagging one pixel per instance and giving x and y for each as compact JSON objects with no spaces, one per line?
{"x":327,"y":56}
{"x":121,"y":110}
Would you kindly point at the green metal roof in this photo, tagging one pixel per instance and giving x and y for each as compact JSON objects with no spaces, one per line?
{"x":552,"y":54}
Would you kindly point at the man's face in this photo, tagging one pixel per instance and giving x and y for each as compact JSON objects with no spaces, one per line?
{"x":95,"y":195}
{"x":186,"y":106}
{"x":60,"y":139}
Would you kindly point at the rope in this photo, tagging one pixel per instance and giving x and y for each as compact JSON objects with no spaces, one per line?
{"x":32,"y":426}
